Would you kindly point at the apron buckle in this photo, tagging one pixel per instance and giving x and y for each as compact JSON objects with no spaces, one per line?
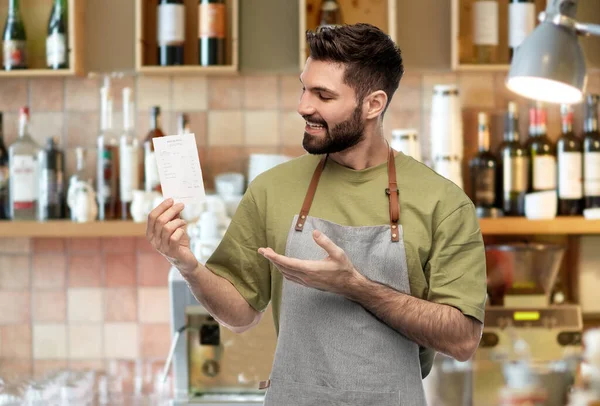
{"x":387,"y":191}
{"x":264,"y":384}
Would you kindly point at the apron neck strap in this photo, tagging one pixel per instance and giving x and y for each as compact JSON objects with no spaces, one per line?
{"x":392,"y":192}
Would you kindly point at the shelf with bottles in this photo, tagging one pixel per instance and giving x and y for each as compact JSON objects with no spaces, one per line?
{"x":182,"y":21}
{"x":381,"y":14}
{"x":48,"y":41}
{"x":488,"y":23}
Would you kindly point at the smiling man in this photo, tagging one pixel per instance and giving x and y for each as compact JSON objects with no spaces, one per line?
{"x":372,"y":262}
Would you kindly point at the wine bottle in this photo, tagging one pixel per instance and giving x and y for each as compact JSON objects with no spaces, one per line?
{"x":52,"y":190}
{"x":183,"y":124}
{"x":570,"y":166}
{"x":3,"y":172}
{"x":56,"y":41}
{"x":330,"y":14}
{"x":521,"y":21}
{"x":170,"y":31}
{"x":591,"y":153}
{"x":483,"y":169}
{"x":107,"y":175}
{"x":515,"y":165}
{"x":485,"y":31}
{"x":542,"y":152}
{"x":14,"y":39}
{"x":211,"y":32}
{"x":128,"y":158}
{"x":151,"y":178}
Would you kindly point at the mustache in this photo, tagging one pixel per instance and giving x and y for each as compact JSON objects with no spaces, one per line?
{"x":315,"y":120}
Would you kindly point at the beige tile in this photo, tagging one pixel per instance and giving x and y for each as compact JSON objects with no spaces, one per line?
{"x":121,"y":340}
{"x":155,"y":340}
{"x":49,"y":341}
{"x":15,"y":341}
{"x":428,"y":83}
{"x":49,"y":271}
{"x":120,"y":304}
{"x":11,"y":127}
{"x":120,"y":269}
{"x":82,"y":94}
{"x":225,"y":93}
{"x":15,"y":272}
{"x":43,"y":367}
{"x":49,"y":245}
{"x":17,"y":369}
{"x":14,"y":94}
{"x":82,"y":129}
{"x":85,"y":341}
{"x":153,"y":305}
{"x":290,"y":91}
{"x":401,"y":119}
{"x":85,"y":270}
{"x":476,"y":90}
{"x":83,"y":244}
{"x":50,"y":306}
{"x":225,"y":128}
{"x":293,"y":151}
{"x":260,"y":92}
{"x":15,"y":307}
{"x":197,"y":120}
{"x":153,"y":91}
{"x":47,"y":94}
{"x":84,"y":305}
{"x":153,"y":269}
{"x":15,"y":245}
{"x":262,"y":127}
{"x":87,"y":365}
{"x":190,"y":93}
{"x":143,"y":245}
{"x":46,"y":125}
{"x":118,"y":244}
{"x":292,"y":128}
{"x":408,"y":96}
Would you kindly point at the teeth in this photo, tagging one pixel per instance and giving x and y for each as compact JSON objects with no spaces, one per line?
{"x":314,"y":125}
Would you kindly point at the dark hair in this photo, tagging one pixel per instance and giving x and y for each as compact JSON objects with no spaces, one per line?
{"x":372,"y":59}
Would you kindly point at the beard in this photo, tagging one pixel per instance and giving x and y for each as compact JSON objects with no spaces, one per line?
{"x":343,"y":136}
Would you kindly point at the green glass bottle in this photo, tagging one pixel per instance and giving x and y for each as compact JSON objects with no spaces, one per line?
{"x":57,"y":55}
{"x":14,"y":39}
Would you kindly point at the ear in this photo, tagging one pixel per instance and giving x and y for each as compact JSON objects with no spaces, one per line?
{"x":375,"y":103}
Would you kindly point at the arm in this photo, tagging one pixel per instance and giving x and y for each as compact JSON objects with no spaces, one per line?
{"x":437,"y":326}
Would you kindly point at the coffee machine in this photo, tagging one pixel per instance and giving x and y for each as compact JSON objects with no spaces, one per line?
{"x":523,"y":324}
{"x":209,"y":362}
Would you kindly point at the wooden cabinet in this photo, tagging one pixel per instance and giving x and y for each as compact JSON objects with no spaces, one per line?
{"x":35,"y":14}
{"x":146,"y":45}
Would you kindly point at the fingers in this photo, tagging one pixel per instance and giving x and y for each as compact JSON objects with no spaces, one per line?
{"x":153,"y":216}
{"x":163,"y":219}
{"x":169,"y":231}
{"x":325,"y":242}
{"x":295,"y":264}
{"x":175,"y":238}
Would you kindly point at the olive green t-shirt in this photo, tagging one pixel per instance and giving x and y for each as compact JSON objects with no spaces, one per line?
{"x":443,"y":242}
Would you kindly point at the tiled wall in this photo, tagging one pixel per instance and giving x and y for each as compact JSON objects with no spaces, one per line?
{"x":83,"y":302}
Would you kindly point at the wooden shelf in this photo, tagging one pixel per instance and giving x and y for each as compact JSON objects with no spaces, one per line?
{"x":482,"y":68}
{"x":35,"y":16}
{"x":381,"y":14}
{"x":522,"y":226}
{"x":66,"y":228}
{"x":146,"y":42}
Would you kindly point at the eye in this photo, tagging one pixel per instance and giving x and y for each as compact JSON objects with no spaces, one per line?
{"x":324,"y":98}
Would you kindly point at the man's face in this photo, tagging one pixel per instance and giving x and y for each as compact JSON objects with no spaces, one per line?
{"x":334,"y":121}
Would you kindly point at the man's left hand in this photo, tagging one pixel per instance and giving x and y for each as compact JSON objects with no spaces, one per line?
{"x":334,"y":274}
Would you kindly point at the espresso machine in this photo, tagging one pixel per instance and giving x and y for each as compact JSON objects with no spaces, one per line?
{"x":211,"y":364}
{"x":523,"y":327}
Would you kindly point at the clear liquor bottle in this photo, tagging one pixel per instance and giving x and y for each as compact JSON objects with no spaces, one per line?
{"x":129,"y":151}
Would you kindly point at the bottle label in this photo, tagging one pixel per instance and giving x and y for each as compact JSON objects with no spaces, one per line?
{"x":151,"y":172}
{"x":15,"y":53}
{"x":212,"y":21}
{"x":544,"y":172}
{"x":485,"y":186}
{"x":591,"y":174}
{"x":171,"y":24}
{"x":56,"y":49}
{"x":570,"y":185}
{"x":514,"y":174}
{"x":24,"y":181}
{"x":485,"y":23}
{"x":128,"y":166}
{"x":521,"y":19}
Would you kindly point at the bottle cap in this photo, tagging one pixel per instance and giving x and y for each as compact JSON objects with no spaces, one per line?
{"x":24,"y":110}
{"x":155,"y":110}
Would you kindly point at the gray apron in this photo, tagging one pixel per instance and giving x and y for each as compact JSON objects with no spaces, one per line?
{"x":330,"y":350}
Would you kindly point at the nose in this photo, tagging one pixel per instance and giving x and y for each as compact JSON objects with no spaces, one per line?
{"x":305,"y":107}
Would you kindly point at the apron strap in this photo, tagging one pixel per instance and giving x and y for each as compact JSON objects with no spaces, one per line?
{"x":310,"y":194}
{"x":392,"y":192}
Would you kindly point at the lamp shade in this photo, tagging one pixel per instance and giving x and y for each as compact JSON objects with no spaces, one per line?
{"x":549,"y":66}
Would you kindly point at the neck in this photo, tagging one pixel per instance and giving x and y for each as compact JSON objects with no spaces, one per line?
{"x":371,"y":151}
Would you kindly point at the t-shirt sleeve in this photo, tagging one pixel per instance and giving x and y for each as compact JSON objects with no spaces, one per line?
{"x":456,"y":265}
{"x":236,"y":258}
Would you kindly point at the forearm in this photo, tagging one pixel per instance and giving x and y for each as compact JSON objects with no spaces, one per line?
{"x":221,"y":299}
{"x":440,"y":327}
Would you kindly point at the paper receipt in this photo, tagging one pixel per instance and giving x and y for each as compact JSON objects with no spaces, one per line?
{"x":179,"y":168}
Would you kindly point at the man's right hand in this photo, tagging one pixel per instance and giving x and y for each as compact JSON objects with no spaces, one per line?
{"x":166,"y":232}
